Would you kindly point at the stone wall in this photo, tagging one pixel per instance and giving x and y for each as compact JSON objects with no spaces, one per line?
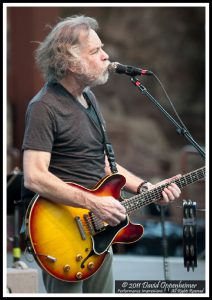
{"x":169,"y":41}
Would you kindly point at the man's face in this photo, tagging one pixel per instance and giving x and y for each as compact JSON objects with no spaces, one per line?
{"x":94,"y":61}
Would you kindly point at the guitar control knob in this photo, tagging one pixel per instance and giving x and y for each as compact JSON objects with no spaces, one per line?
{"x":79,"y":257}
{"x":91,"y":265}
{"x":79,"y":275}
{"x":66,"y":268}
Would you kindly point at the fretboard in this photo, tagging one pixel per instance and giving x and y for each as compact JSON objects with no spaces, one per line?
{"x":155,"y":194}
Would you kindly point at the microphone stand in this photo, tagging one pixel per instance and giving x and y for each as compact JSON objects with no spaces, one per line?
{"x":180,"y":129}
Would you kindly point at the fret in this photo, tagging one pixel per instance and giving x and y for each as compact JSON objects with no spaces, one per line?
{"x":155,"y":194}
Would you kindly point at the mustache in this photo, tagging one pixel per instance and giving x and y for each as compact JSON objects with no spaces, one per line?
{"x":108,"y":63}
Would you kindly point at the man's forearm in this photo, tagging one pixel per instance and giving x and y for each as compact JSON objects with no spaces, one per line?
{"x":132,"y":181}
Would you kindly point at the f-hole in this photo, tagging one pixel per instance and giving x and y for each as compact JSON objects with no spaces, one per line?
{"x":87,"y":257}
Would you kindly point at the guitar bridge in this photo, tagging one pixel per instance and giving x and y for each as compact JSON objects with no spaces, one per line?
{"x":94,"y":224}
{"x":89,"y":224}
{"x":80,"y":227}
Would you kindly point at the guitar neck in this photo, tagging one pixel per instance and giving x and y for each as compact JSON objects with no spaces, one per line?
{"x":155,"y":194}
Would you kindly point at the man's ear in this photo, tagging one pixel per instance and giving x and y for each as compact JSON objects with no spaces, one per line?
{"x":75,"y":68}
{"x":72,"y":69}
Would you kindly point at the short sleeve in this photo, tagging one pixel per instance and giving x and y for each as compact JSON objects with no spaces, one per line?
{"x":39,"y":128}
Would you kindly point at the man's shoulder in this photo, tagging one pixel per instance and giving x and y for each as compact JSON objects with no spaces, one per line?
{"x":46,"y":96}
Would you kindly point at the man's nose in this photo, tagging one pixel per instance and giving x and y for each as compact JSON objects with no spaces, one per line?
{"x":105,"y":56}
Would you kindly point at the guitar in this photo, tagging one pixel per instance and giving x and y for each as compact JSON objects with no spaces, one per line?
{"x":71,"y":243}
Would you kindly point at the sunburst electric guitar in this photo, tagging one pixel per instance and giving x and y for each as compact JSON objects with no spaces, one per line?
{"x":71,"y":243}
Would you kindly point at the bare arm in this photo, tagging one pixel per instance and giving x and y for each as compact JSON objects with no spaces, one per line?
{"x":38,"y":179}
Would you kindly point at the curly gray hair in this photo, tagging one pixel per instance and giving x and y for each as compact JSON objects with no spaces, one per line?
{"x":57,"y":52}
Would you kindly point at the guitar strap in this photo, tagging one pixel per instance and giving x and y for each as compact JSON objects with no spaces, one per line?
{"x":107,"y":145}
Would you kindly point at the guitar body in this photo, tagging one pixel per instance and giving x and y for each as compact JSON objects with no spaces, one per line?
{"x":71,"y":243}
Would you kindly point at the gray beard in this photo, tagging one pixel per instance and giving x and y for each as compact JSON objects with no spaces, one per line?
{"x":91,"y":82}
{"x":100,"y":81}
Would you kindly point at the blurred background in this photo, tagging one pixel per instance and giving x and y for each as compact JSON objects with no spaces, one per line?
{"x":170,"y":41}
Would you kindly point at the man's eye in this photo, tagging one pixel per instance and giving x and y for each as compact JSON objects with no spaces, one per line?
{"x":95,"y":51}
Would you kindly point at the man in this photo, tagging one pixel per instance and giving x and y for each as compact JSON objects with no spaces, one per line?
{"x":63,"y":142}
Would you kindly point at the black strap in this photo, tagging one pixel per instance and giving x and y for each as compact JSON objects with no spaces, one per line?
{"x":107,"y":145}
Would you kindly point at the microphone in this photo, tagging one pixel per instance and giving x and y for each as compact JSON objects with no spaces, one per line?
{"x":128,"y":70}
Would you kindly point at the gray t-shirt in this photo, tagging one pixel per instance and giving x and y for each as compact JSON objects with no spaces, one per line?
{"x":57,"y":123}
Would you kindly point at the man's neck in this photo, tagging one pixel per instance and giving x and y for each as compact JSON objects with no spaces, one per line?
{"x":71,"y":85}
{"x":74,"y":88}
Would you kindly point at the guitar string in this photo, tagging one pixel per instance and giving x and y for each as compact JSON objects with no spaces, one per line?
{"x":153,"y":195}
